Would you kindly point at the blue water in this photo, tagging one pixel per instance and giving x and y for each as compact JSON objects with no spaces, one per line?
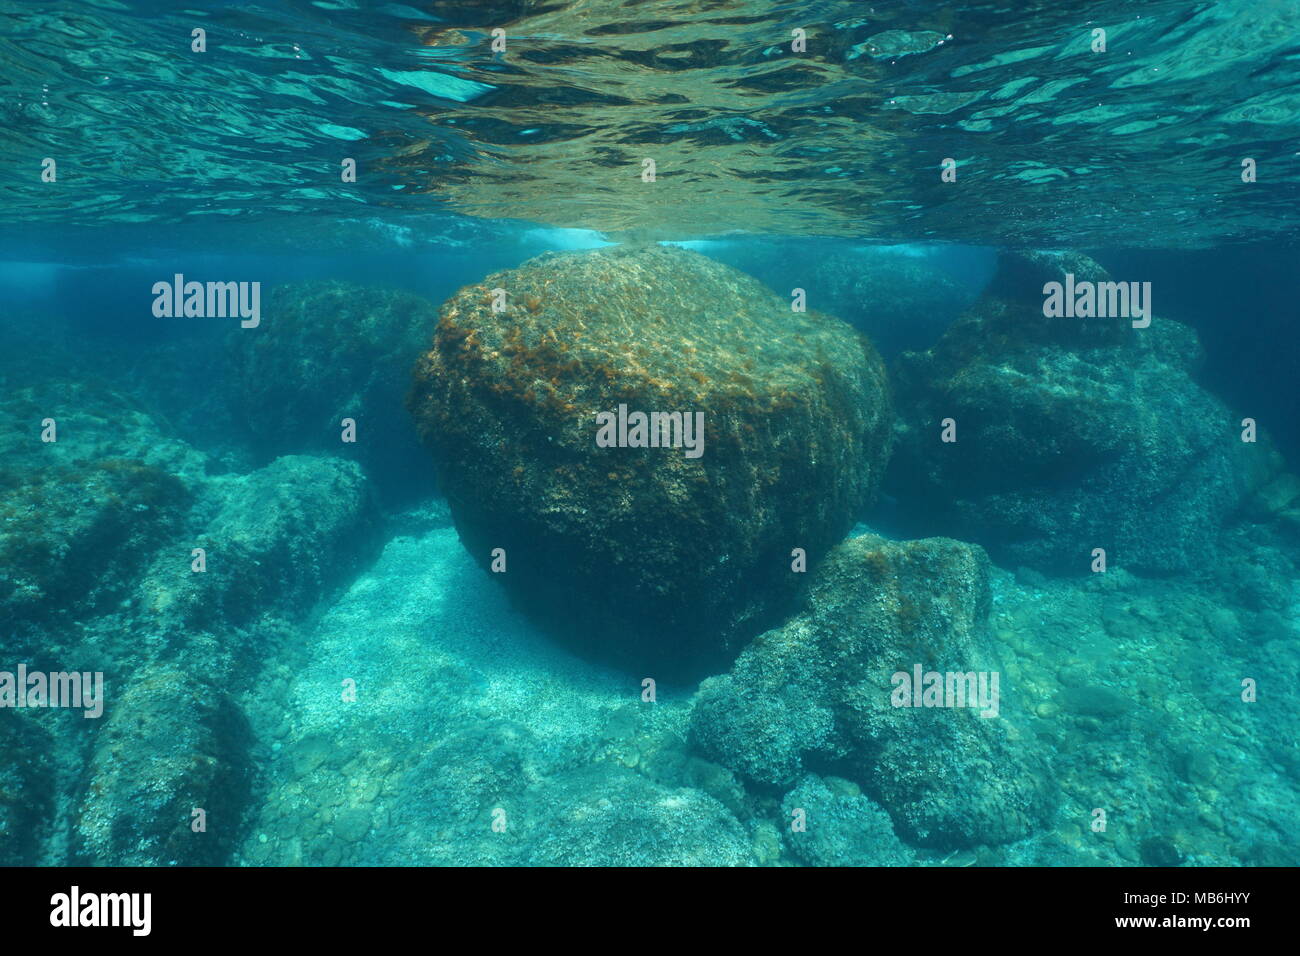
{"x":310,"y":652}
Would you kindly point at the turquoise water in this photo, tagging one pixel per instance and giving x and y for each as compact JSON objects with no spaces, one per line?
{"x":326,"y":333}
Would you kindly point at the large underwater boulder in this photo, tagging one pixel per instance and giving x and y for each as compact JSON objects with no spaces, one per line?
{"x":1071,"y":433}
{"x":653,"y":555}
{"x":820,"y":691}
{"x":329,"y":350}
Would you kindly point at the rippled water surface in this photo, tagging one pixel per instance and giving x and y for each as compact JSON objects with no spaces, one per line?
{"x":1054,"y":143}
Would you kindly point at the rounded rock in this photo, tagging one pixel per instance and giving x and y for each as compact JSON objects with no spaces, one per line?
{"x":655,"y":556}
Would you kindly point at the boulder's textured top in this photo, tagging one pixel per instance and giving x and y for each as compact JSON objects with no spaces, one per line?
{"x":647,"y":553}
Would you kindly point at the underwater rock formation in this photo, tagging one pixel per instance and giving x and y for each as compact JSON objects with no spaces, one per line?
{"x":901,"y":301}
{"x":26,"y":788}
{"x":97,"y":529}
{"x":326,"y":351}
{"x":1071,"y":433}
{"x":305,"y":523}
{"x":73,"y":537}
{"x":841,"y":827}
{"x":653,"y":555}
{"x":818,"y":692}
{"x":80,"y":514}
{"x":173,"y":744}
{"x":899,"y":298}
{"x":278,"y":539}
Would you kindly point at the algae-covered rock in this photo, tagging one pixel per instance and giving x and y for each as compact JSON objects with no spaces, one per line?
{"x":653,"y":555}
{"x":819,"y":691}
{"x":171,"y":744}
{"x":1022,"y":275}
{"x":1071,"y":433}
{"x":81,"y":512}
{"x":71,"y":538}
{"x":276,"y":540}
{"x":329,"y":350}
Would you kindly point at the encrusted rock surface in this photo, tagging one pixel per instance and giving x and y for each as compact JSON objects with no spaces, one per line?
{"x":840,"y":827}
{"x":26,"y":787}
{"x":818,"y":693}
{"x":642,"y":554}
{"x":97,"y":530}
{"x":1071,"y":433}
{"x":173,"y":743}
